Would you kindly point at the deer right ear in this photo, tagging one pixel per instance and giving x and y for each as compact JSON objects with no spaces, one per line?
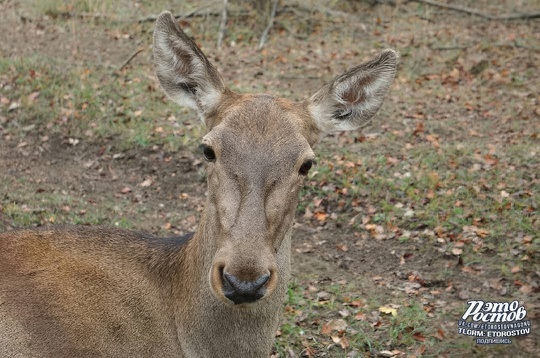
{"x":353,"y":98}
{"x":183,"y":71}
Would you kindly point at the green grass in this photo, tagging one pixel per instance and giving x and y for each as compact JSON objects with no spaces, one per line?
{"x":442,"y":195}
{"x":92,"y":104}
{"x":308,"y":322}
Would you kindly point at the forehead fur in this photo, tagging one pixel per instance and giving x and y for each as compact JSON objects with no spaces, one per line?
{"x":262,"y":131}
{"x":262,"y":121}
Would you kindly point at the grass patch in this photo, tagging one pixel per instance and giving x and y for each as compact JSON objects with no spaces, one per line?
{"x":91,"y":104}
{"x":336,"y":318}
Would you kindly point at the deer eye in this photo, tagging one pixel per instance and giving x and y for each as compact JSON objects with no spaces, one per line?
{"x":208,"y":153}
{"x":306,"y":166}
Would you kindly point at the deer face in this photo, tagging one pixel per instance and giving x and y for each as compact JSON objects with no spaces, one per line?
{"x":257,"y":160}
{"x":258,"y":151}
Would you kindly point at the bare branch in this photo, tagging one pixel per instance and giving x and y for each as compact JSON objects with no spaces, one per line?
{"x":223,"y":24}
{"x":471,"y":11}
{"x":198,"y":11}
{"x":269,"y":27}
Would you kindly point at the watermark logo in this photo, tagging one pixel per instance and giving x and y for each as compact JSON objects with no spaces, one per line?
{"x":494,"y":322}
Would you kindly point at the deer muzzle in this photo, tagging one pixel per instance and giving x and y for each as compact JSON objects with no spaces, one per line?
{"x":239,"y":291}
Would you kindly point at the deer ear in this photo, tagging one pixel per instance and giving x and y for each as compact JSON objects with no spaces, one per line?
{"x":352,"y":99}
{"x":183,"y":71}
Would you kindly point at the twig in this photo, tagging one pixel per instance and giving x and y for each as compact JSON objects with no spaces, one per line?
{"x":223,"y":24}
{"x":269,"y":27}
{"x":195,"y":12}
{"x":448,"y":48}
{"x":130,"y":58}
{"x":298,"y":7}
{"x":471,"y":11}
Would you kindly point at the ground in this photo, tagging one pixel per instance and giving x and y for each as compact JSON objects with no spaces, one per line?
{"x":399,"y":225}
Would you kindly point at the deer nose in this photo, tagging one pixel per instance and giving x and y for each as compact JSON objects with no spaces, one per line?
{"x":240,"y":291}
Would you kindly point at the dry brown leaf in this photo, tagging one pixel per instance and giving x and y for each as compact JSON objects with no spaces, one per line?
{"x":334,"y":325}
{"x":482,"y":233}
{"x":357,"y":303}
{"x":470,"y":269}
{"x":342,"y":341}
{"x":342,"y":247}
{"x":515,"y":269}
{"x":326,"y":329}
{"x":439,"y":334}
{"x":32,"y":96}
{"x":320,"y":216}
{"x":419,"y":336}
{"x":433,"y":140}
{"x":360,"y":316}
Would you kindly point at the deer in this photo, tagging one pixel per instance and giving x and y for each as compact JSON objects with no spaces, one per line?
{"x":94,"y":291}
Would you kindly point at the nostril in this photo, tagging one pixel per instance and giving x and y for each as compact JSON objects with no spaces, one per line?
{"x":240,"y":291}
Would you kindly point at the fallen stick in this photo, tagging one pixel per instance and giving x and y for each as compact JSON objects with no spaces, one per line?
{"x":130,"y":58}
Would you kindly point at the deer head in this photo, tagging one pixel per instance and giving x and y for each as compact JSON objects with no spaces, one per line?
{"x":258,"y":150}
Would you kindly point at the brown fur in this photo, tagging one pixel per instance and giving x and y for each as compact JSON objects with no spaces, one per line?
{"x":105,"y":292}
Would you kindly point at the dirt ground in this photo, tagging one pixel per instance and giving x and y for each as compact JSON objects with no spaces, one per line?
{"x":98,"y":172}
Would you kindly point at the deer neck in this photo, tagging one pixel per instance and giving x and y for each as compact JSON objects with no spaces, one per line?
{"x":200,"y":314}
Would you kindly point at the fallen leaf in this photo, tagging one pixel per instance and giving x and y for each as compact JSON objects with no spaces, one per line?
{"x":342,"y":341}
{"x":323,"y":295}
{"x":482,"y":233}
{"x":470,"y":269}
{"x":32,"y":96}
{"x":326,"y":329}
{"x":360,"y":316}
{"x":146,"y":183}
{"x":13,"y":106}
{"x":439,"y":334}
{"x":419,"y":336}
{"x":320,"y":216}
{"x":357,"y":303}
{"x":388,"y":310}
{"x":342,"y":247}
{"x":334,"y":325}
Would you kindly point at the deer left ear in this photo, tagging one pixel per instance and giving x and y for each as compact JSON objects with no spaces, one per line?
{"x":183,"y":71}
{"x":353,"y":98}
